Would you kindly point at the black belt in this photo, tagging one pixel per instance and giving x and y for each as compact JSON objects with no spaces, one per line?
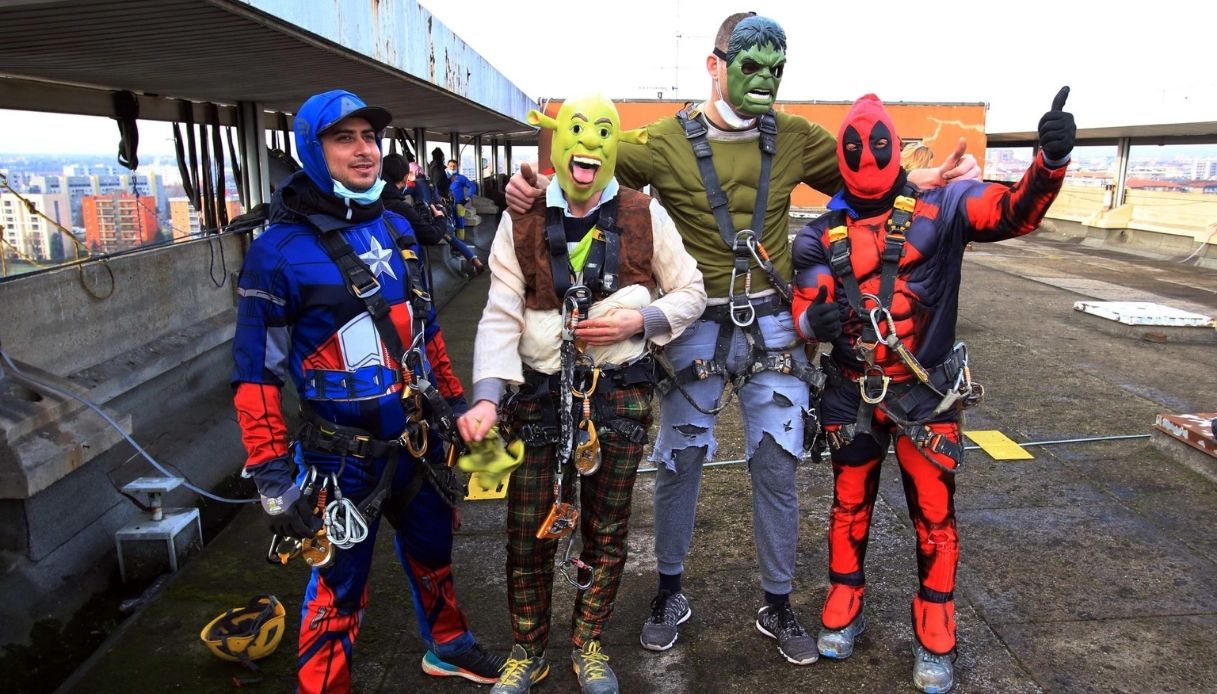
{"x":318,"y":434}
{"x":544,"y":389}
{"x":766,"y":306}
{"x":639,"y":372}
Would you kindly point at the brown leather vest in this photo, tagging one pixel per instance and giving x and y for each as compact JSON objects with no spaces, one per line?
{"x":532,"y":251}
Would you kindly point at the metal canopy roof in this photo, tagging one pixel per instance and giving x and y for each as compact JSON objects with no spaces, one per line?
{"x":225,"y":51}
{"x":1164,"y":134}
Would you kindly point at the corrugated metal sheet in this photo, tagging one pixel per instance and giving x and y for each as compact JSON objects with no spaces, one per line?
{"x":272,"y":52}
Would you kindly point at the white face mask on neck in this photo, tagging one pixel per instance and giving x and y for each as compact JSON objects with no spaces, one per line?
{"x":728,"y":114}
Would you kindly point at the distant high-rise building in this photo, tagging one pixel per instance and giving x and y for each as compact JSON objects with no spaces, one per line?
{"x":118,"y":221}
{"x":28,"y":234}
{"x":186,"y":221}
{"x":1204,"y":170}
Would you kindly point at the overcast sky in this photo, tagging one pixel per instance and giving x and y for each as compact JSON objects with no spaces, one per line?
{"x":1152,"y":63}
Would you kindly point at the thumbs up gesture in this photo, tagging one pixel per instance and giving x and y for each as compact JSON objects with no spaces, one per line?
{"x":1057,"y":129}
{"x":823,"y":317}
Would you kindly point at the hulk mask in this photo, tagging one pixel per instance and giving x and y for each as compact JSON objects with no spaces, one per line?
{"x":755,"y":57}
{"x":584,"y":148}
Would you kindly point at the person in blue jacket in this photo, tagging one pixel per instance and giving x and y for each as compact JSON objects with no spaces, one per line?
{"x":332,"y":296}
{"x":462,"y":190}
{"x":405,"y":196}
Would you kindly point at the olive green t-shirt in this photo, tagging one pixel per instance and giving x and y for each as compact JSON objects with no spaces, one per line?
{"x":806,"y":153}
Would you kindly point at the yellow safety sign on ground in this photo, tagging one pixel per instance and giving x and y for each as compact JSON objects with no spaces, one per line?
{"x":998,"y":445}
{"x":499,"y":491}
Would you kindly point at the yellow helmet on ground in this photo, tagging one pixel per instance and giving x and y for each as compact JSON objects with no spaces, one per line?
{"x":248,"y":633}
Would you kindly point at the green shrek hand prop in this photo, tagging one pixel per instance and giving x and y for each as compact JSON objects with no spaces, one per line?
{"x":584,"y":147}
{"x":491,"y":460}
{"x":755,"y":59}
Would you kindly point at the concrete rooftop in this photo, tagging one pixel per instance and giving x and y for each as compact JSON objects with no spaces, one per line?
{"x":1092,"y":567}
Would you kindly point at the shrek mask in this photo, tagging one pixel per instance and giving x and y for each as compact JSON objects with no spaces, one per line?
{"x":755,"y":58}
{"x":584,"y":149}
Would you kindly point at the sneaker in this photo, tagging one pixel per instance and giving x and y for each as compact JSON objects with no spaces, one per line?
{"x":474,"y":664}
{"x":520,"y":672}
{"x":933,"y":673}
{"x":591,"y":667}
{"x":838,"y":644}
{"x":794,"y":643}
{"x":668,"y":610}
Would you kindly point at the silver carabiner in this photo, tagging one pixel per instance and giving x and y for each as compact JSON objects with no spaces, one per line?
{"x":571,"y":560}
{"x":344,"y":524}
{"x":880,"y":315}
{"x":576,"y":295}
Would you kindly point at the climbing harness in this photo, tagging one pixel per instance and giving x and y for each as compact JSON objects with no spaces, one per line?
{"x":745,"y":246}
{"x":950,"y":382}
{"x":758,"y":358}
{"x":741,"y":310}
{"x":345,"y":523}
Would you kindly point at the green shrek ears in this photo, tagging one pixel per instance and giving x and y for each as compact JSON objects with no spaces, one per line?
{"x":756,"y":57}
{"x":584,"y":149}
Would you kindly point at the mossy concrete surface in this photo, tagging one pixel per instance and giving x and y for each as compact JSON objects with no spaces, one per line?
{"x":1091,"y":567}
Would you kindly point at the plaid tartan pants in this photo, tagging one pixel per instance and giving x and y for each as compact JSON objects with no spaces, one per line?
{"x":604,"y":515}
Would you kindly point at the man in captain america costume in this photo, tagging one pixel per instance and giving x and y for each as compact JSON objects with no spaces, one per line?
{"x":320,"y":292}
{"x":877,"y":278}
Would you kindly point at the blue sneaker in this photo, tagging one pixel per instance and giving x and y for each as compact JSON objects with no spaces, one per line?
{"x":475,"y":665}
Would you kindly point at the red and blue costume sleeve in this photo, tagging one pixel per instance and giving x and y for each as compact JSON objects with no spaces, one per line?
{"x":261,"y":346}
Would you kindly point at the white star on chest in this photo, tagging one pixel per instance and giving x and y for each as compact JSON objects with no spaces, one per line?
{"x":377,"y":257}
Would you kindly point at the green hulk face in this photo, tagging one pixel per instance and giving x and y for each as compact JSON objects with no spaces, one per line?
{"x":753,"y":79}
{"x":584,"y":150}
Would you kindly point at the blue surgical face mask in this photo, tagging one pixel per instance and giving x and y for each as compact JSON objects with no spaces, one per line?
{"x":366,"y":197}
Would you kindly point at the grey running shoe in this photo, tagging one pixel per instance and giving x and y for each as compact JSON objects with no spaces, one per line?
{"x":667,"y":611}
{"x":520,"y":672}
{"x":838,"y":644}
{"x":591,"y":667}
{"x":932,"y":673}
{"x":794,"y":643}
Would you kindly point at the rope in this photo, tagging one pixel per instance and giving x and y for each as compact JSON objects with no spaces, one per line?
{"x":49,"y":389}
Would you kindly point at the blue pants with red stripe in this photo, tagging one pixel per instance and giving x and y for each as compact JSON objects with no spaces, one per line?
{"x":336,"y":596}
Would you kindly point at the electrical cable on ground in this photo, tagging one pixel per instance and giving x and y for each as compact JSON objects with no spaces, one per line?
{"x":47,"y":388}
{"x":973,"y":447}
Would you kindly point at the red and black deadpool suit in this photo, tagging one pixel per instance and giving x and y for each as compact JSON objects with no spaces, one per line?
{"x":923,"y":304}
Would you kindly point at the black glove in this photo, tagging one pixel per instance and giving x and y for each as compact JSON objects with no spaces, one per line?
{"x":287,"y":512}
{"x":824,"y":318}
{"x":1057,"y":129}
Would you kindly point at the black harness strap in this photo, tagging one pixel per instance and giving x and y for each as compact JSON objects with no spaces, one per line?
{"x":603,"y":260}
{"x":769,"y":146}
{"x":365,"y":286}
{"x":695,"y":132}
{"x":600,"y":272}
{"x":559,"y":256}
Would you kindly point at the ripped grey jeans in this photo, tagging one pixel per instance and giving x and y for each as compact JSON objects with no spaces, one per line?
{"x":772,"y":406}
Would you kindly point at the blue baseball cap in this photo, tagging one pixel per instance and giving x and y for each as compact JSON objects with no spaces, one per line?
{"x":322,"y":111}
{"x":319,"y":113}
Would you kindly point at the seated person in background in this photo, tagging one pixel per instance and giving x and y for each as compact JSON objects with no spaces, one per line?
{"x":428,"y":221}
